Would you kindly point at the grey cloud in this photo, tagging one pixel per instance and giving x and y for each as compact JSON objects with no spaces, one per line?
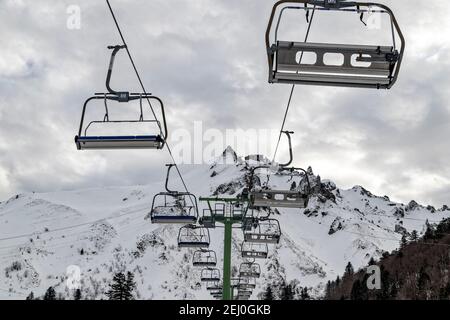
{"x":206,"y":59}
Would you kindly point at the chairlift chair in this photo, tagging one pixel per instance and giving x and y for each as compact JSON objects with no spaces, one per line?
{"x":216,"y":293}
{"x":254,"y":250}
{"x":264,"y":231}
{"x":244,"y":294}
{"x":252,"y":215}
{"x":266,"y":198}
{"x":246,"y":283}
{"x":86,"y":141}
{"x":192,"y":236}
{"x":249,"y":270}
{"x":210,"y":275}
{"x":214,"y":285}
{"x":173,"y":206}
{"x":364,"y":66}
{"x":283,"y":198}
{"x":204,"y":258}
{"x":234,"y":282}
{"x":279,"y":199}
{"x":238,"y":211}
{"x":208,"y":219}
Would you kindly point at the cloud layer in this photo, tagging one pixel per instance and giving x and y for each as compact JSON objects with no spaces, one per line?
{"x":206,"y":60}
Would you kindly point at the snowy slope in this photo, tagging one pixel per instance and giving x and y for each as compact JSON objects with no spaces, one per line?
{"x":104,"y":230}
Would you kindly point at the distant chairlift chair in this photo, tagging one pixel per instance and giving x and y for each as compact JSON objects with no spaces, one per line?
{"x":173,"y":206}
{"x":249,"y":270}
{"x":264,"y":230}
{"x":254,"y":250}
{"x":244,"y":294}
{"x":247,"y":283}
{"x":210,"y":275}
{"x":364,"y":66}
{"x":192,"y":236}
{"x":84,"y":141}
{"x":298,"y":198}
{"x":267,"y":198}
{"x":204,"y":258}
{"x":214,"y":285}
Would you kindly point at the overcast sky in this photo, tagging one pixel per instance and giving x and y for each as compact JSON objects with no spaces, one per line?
{"x":206,"y":60}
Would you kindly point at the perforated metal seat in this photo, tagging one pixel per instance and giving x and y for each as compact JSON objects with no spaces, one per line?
{"x":279,"y":198}
{"x":364,"y":66}
{"x":377,"y":72}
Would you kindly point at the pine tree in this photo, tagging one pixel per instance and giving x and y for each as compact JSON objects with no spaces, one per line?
{"x":117,"y":287}
{"x":444,"y":292}
{"x":268,"y":295}
{"x":130,"y":285}
{"x":121,"y":287}
{"x":287,"y":293}
{"x":429,"y":232}
{"x":414,"y":235}
{"x":77,"y":294}
{"x":328,"y":291}
{"x":355,"y":294}
{"x":403,"y":241}
{"x":50,"y":294}
{"x":304,"y":295}
{"x":423,"y":279}
{"x":30,"y":296}
{"x":349,"y":269}
{"x":385,"y":285}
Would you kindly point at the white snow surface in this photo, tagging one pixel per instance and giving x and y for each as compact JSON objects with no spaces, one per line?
{"x":104,"y":230}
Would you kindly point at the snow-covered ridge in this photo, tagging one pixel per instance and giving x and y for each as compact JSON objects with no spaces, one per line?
{"x":103,"y":231}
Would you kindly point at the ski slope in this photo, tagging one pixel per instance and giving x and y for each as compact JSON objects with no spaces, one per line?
{"x":105,"y":230}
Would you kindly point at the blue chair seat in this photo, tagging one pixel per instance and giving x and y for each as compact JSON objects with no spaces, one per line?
{"x":193,"y":244}
{"x":119,"y":142}
{"x":173,"y":219}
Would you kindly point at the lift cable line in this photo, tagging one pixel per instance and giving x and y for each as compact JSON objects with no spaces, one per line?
{"x":293,"y":86}
{"x":130,"y":213}
{"x":145,"y":93}
{"x":66,"y":227}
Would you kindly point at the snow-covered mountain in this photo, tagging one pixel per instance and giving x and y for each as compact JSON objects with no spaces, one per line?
{"x":104,"y":230}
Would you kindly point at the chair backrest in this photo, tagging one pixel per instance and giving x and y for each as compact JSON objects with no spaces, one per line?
{"x":288,"y":54}
{"x":359,"y":66}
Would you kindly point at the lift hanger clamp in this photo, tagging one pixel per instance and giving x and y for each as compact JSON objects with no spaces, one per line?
{"x":122,"y":96}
